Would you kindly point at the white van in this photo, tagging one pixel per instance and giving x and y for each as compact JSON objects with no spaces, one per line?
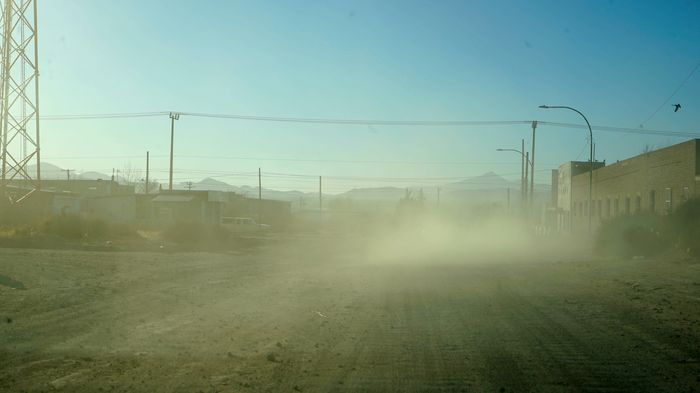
{"x":242,"y":224}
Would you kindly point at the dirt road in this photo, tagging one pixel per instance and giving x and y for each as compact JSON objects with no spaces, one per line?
{"x":316,"y":319}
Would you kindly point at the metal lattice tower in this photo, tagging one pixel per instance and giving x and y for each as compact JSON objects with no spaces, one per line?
{"x":19,"y":98}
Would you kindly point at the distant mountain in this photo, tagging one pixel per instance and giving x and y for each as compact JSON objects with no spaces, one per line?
{"x":49,"y":171}
{"x":93,"y":176}
{"x":212,"y":185}
{"x":52,"y":172}
{"x":489,"y":180}
{"x":378,"y":193}
{"x":487,"y":187}
{"x":252,"y":192}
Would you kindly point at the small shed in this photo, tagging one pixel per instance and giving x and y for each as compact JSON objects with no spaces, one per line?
{"x":188,"y":206}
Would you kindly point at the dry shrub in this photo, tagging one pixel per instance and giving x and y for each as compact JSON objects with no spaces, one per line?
{"x":685,"y":225}
{"x":75,"y":227}
{"x":647,"y":234}
{"x":636,"y":235}
{"x":196,"y":233}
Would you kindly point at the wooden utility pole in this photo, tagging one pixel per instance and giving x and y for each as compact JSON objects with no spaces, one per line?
{"x":532,"y":165}
{"x":527,"y":166}
{"x":68,"y":171}
{"x":259,"y":196}
{"x":173,"y":117}
{"x":523,"y":182}
{"x":148,"y":185}
{"x":508,"y":199}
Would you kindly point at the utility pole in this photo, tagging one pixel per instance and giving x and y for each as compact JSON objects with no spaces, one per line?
{"x":259,"y":196}
{"x":527,"y":197}
{"x":173,"y":116}
{"x":147,"y":168}
{"x":523,"y":181}
{"x":320,"y":198}
{"x":508,"y":199}
{"x":68,"y":171}
{"x":532,"y":166}
{"x":189,"y":185}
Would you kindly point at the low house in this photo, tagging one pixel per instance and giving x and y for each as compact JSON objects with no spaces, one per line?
{"x":188,"y":206}
{"x":87,"y":188}
{"x":264,"y":211}
{"x":112,"y":208}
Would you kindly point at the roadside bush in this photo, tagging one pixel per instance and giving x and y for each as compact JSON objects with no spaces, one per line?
{"x":195,"y":233}
{"x":685,"y":225}
{"x":641,"y":234}
{"x":66,"y":226}
{"x":75,"y":227}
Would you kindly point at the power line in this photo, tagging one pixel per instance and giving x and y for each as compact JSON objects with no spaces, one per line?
{"x":290,"y":160}
{"x":363,"y":122}
{"x":687,"y":78}
{"x":100,"y":116}
{"x":681,"y":134}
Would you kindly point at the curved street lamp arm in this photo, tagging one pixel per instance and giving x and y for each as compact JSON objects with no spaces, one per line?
{"x":529,"y":162}
{"x":590,"y":131}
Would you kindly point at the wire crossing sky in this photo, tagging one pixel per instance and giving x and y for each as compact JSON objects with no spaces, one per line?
{"x":404,"y":61}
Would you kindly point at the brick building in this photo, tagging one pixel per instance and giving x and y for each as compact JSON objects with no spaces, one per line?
{"x":562,"y":192}
{"x":657,"y":181}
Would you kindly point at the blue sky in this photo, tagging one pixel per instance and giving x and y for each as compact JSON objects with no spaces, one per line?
{"x":616,"y":61}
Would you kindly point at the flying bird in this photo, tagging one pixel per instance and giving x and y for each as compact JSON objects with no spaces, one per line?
{"x":676,"y":107}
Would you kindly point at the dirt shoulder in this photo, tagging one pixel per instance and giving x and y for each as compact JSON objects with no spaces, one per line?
{"x":303,"y":316}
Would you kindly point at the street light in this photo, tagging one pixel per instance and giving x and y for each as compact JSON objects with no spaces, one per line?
{"x":523,"y":177}
{"x":517,"y":151}
{"x":590,"y":173}
{"x":173,"y":116}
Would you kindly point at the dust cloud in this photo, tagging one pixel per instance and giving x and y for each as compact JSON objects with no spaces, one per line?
{"x":438,"y":239}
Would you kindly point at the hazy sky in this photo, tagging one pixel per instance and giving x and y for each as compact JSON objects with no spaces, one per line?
{"x":407,"y":60}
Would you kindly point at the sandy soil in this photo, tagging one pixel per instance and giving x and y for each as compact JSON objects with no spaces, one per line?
{"x":304,"y":316}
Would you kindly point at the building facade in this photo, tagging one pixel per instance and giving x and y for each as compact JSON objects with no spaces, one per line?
{"x":562,"y":190}
{"x":657,"y":182}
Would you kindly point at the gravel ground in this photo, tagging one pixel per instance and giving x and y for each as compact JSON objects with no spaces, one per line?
{"x":306,"y":316}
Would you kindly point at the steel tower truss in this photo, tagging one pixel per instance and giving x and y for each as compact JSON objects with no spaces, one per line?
{"x":19,"y":97}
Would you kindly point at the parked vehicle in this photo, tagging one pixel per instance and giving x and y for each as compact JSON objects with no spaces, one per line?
{"x":242,"y":224}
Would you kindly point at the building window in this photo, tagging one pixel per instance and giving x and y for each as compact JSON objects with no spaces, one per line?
{"x":607,"y":207}
{"x":686,"y":194}
{"x":616,"y":207}
{"x":600,"y":208}
{"x":627,"y":206}
{"x":637,"y":204}
{"x":668,"y":199}
{"x":652,"y":201}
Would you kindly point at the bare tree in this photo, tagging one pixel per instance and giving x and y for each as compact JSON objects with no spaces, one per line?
{"x":141,"y":187}
{"x":129,"y":175}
